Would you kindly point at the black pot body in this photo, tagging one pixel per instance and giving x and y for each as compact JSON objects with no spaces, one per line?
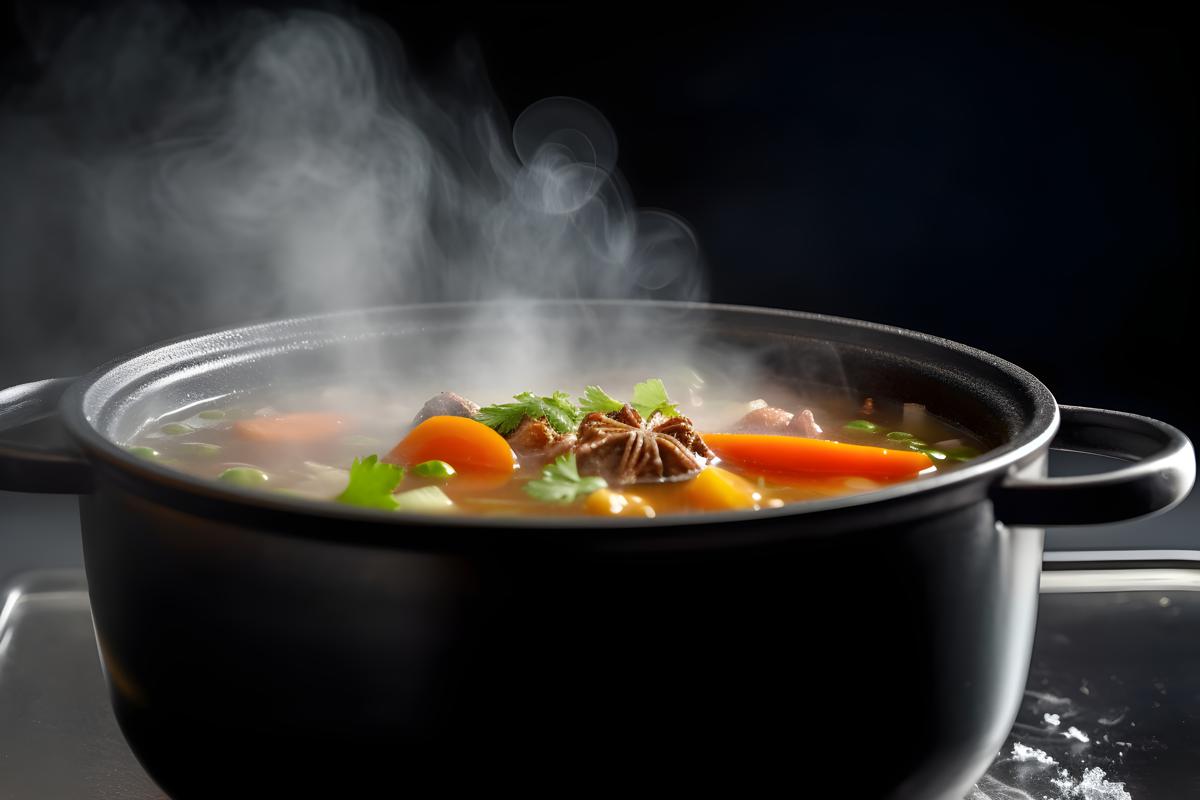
{"x":240,"y":657}
{"x":261,"y":645}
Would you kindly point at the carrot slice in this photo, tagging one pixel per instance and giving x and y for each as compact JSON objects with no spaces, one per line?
{"x":290,"y":428}
{"x":798,"y":454}
{"x":469,"y":446}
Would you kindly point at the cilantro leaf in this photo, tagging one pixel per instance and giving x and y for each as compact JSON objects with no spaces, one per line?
{"x":371,"y":484}
{"x":596,"y":399}
{"x":650,"y":397}
{"x":561,"y":482}
{"x":560,"y":412}
{"x":557,"y":410}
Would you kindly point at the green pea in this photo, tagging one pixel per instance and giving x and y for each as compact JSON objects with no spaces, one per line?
{"x":862,"y":426}
{"x":176,"y":429}
{"x":200,"y":449}
{"x":434,"y":469}
{"x":244,"y":476}
{"x":212,"y":413}
{"x":144,"y":452}
{"x":899,"y":436}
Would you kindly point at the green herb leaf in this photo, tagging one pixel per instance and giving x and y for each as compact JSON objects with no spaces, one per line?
{"x":561,"y":482}
{"x":371,"y":484}
{"x":899,"y":436}
{"x":557,"y":410}
{"x":650,"y":397}
{"x":560,"y":412}
{"x":861,"y":426}
{"x":596,"y":399}
{"x":434,"y":469}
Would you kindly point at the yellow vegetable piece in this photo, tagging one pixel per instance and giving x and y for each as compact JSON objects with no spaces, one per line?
{"x":606,"y":502}
{"x":716,"y":489}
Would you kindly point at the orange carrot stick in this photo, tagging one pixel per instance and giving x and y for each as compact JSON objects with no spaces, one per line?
{"x":469,"y":446}
{"x":290,"y":428}
{"x":798,"y":454}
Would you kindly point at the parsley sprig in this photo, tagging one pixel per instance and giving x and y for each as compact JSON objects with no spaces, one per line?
{"x":562,"y":483}
{"x":371,"y":484}
{"x":650,"y":397}
{"x":596,"y":399}
{"x":557,"y":409}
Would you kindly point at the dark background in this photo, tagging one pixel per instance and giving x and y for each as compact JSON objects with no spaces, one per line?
{"x":1019,"y":178}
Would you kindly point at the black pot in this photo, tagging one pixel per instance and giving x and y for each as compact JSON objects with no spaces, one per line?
{"x":259,"y":644}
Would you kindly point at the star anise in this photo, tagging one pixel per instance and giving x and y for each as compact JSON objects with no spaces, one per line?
{"x":622,"y":448}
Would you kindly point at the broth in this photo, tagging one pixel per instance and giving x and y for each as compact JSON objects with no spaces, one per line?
{"x":209,"y":440}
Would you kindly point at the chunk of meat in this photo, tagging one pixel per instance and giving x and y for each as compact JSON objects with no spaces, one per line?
{"x":684,"y":431}
{"x":629,"y":416}
{"x":446,"y":404}
{"x":624,"y":453}
{"x":805,"y":424}
{"x":768,"y":420}
{"x":535,"y":442}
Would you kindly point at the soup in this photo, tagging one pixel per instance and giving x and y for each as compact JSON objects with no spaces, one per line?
{"x":638,"y":454}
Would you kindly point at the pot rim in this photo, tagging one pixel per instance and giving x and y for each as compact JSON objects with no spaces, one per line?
{"x":1034,"y":437}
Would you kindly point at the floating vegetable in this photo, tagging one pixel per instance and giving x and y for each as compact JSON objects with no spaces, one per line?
{"x":433,"y":469}
{"x":562,"y":483}
{"x":248,"y":477}
{"x":607,"y":502}
{"x":596,"y":399}
{"x":716,"y":489}
{"x":371,"y":484}
{"x":299,"y":428}
{"x":650,"y":397}
{"x":426,"y":500}
{"x":557,"y":409}
{"x":470,"y":447}
{"x":797,"y":454}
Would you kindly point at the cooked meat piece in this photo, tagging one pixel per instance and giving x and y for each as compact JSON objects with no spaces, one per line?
{"x":804,"y":424}
{"x":629,"y":416}
{"x":683,"y":430}
{"x":535,"y":442}
{"x":446,"y":404}
{"x":765,"y":420}
{"x":531,"y":436}
{"x":622,"y":453}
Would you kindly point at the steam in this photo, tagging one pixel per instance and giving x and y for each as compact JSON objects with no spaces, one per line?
{"x":166,"y":174}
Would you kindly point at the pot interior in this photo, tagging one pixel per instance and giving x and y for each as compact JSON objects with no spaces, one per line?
{"x":544,"y":345}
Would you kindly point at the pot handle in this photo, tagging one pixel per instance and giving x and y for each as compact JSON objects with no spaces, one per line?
{"x":1163,"y":472}
{"x":28,"y":468}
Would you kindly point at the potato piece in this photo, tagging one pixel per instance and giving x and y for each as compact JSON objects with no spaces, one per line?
{"x":716,"y":489}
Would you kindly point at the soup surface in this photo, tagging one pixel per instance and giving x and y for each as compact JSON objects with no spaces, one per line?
{"x":637,"y":450}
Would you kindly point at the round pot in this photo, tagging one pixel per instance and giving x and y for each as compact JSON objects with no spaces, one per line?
{"x":257,"y":643}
